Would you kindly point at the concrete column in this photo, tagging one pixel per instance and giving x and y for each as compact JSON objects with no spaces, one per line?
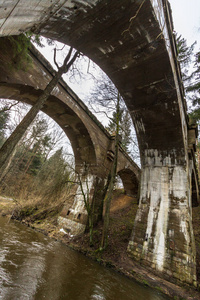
{"x":163,"y":236}
{"x":74,"y":217}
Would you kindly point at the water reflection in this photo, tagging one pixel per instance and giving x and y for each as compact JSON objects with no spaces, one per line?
{"x":34,"y":267}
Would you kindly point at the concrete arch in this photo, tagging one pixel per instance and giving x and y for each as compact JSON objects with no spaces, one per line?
{"x":129,"y":55}
{"x":151,"y":94}
{"x":130,"y":182}
{"x":63,"y":115}
{"x":90,"y":141}
{"x":133,"y":42}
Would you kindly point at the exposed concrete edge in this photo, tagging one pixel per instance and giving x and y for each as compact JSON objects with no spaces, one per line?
{"x":170,"y":28}
{"x":75,"y":227}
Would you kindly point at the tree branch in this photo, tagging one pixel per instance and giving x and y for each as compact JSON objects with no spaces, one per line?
{"x":54,"y":58}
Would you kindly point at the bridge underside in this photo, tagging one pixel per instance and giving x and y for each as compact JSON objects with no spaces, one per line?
{"x":130,"y":54}
{"x":89,"y":140}
{"x":127,"y":40}
{"x":133,"y":54}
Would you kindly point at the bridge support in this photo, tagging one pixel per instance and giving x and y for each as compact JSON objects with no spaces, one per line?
{"x":74,"y":216}
{"x":162,"y":237}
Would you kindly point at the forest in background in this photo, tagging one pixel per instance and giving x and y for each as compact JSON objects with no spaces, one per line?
{"x":42,"y":166}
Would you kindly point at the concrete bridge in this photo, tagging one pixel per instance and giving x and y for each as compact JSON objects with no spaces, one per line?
{"x":92,"y":145}
{"x":133,"y":42}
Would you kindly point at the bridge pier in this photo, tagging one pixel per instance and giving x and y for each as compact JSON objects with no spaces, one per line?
{"x":74,"y":216}
{"x":162,"y":237}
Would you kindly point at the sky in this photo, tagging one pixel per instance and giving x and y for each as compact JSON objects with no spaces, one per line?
{"x":186,"y":18}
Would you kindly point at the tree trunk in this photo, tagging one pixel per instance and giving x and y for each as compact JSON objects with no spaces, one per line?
{"x":108,"y":197}
{"x":6,"y":151}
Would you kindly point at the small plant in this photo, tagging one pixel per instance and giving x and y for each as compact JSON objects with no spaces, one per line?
{"x":20,"y":45}
{"x":159,"y":289}
{"x":145,"y":282}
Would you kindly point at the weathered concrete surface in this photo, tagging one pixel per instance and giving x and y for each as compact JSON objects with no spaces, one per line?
{"x":132,"y":41}
{"x":89,"y":140}
{"x":74,"y":218}
{"x":130,"y":57}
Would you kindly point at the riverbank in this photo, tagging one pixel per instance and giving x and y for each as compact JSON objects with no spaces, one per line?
{"x":122,"y":215}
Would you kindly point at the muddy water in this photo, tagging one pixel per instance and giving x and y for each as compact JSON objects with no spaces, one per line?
{"x":32,"y":266}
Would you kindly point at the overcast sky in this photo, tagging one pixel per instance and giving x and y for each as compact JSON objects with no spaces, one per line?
{"x":186,"y":17}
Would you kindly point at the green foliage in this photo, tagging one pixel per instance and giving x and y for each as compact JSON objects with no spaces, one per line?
{"x":195,"y":85}
{"x":33,"y":172}
{"x":194,"y":116}
{"x":55,"y":176}
{"x":37,"y":160}
{"x":20,"y":45}
{"x":36,"y":39}
{"x":185,"y":54}
{"x":32,"y":153}
{"x":124,"y":126}
{"x":191,"y":80}
{"x":145,"y":282}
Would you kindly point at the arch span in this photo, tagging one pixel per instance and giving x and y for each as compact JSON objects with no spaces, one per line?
{"x":60,"y":112}
{"x":90,"y":141}
{"x":133,"y":42}
{"x":130,"y":182}
{"x":138,"y":57}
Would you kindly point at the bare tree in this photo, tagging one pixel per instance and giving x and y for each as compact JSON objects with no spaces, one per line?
{"x":8,"y":148}
{"x":102,"y":102}
{"x":7,"y":107}
{"x":106,"y":100}
{"x":113,"y":173}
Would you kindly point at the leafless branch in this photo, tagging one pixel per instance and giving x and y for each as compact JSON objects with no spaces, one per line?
{"x":54,"y":58}
{"x":7,"y":108}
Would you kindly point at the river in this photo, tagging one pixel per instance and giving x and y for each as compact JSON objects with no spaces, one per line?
{"x":33,"y":266}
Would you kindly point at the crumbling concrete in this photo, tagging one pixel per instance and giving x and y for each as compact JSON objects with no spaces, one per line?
{"x":133,"y":42}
